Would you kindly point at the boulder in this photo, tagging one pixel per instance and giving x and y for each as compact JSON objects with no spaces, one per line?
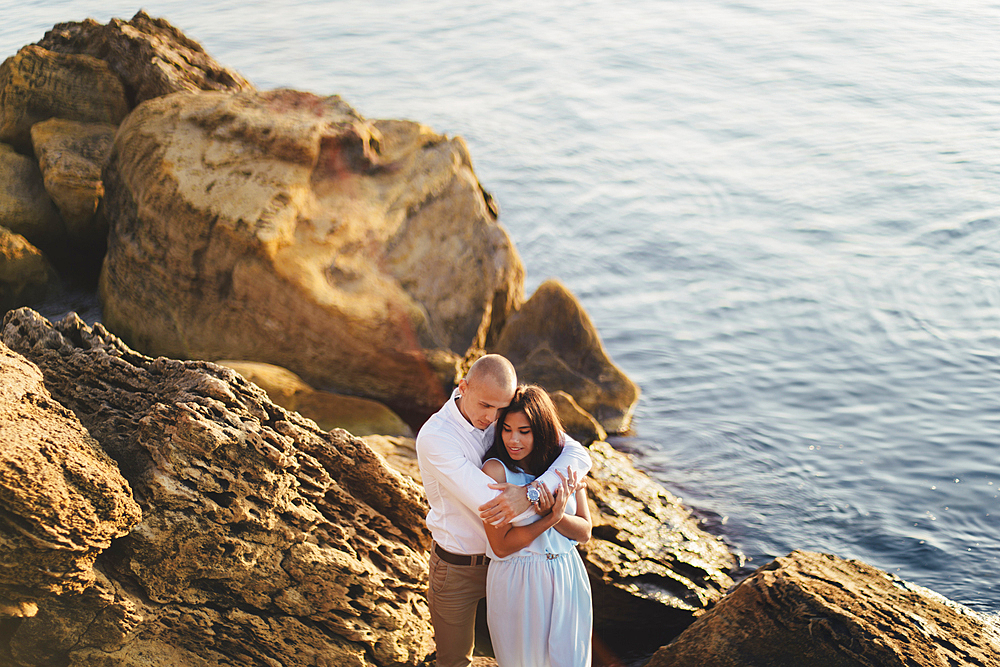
{"x":823,"y":611}
{"x":150,"y":56}
{"x":263,"y":539}
{"x":359,"y":416}
{"x":283,"y":227}
{"x":63,"y":498}
{"x":25,"y":206}
{"x":552,"y":342}
{"x":37,"y":84}
{"x":71,"y":155}
{"x":652,"y":568}
{"x":399,"y":452}
{"x":25,"y":274}
{"x":575,"y":420}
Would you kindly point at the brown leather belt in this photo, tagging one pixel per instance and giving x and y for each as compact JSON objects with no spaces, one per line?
{"x":459,"y":559}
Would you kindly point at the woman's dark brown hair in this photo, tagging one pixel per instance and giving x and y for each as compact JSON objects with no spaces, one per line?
{"x":546,"y":431}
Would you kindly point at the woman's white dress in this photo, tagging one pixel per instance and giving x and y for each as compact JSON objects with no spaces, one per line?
{"x":538,"y":600}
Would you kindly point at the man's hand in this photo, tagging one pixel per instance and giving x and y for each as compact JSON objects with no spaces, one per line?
{"x":501,"y":510}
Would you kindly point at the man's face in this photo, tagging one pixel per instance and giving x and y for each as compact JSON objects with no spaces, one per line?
{"x":481,"y":401}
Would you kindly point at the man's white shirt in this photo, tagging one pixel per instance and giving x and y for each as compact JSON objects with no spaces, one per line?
{"x":450,"y":456}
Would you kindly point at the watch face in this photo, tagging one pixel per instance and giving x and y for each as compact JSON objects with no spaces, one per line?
{"x":533,"y":494}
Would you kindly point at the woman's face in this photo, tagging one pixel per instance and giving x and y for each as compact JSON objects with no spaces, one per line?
{"x":517,"y":436}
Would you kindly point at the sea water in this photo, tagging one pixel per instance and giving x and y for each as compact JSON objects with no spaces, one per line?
{"x":783,"y":216}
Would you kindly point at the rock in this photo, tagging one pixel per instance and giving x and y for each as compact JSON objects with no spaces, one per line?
{"x":575,"y":420}
{"x":71,"y":156}
{"x":653,"y":570}
{"x":25,"y":273}
{"x":358,"y":416}
{"x":263,"y":539}
{"x":552,"y":342}
{"x":37,"y":84}
{"x":819,"y":610}
{"x":25,"y":206}
{"x":63,"y":498}
{"x":283,"y":227}
{"x":399,"y":452}
{"x":152,"y":57}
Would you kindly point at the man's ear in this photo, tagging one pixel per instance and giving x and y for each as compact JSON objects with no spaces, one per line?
{"x":462,"y":386}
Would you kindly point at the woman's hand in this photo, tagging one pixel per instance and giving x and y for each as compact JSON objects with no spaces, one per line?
{"x":560,"y":498}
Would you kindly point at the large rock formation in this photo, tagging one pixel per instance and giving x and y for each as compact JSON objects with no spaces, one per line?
{"x":263,"y":539}
{"x":283,"y":227}
{"x":552,"y":342}
{"x":822,"y":611}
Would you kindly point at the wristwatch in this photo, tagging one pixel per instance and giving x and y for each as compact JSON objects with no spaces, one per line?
{"x":534,"y":495}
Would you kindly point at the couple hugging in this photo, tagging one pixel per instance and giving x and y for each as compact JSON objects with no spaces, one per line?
{"x":516,"y":548}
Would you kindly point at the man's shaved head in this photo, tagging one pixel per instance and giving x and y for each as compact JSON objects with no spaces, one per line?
{"x":495,"y":369}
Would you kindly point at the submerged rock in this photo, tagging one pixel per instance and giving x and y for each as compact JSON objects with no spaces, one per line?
{"x":552,"y":342}
{"x":819,"y":610}
{"x":263,"y":539}
{"x":283,"y":227}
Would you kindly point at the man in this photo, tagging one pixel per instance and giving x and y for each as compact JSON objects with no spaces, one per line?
{"x":450,"y":449}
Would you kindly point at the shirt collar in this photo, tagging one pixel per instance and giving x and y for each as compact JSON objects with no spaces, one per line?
{"x":457,"y":415}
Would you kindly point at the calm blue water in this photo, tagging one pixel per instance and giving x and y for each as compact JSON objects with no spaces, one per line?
{"x":783,"y":216}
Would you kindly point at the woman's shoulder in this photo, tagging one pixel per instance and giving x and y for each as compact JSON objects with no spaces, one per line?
{"x":495,"y":469}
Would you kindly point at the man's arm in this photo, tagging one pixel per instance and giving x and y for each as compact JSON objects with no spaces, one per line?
{"x":574,"y":455}
{"x":455,"y":471}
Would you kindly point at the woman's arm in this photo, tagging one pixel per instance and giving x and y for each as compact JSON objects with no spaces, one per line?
{"x":577,"y":526}
{"x":574,"y":526}
{"x":505,"y":540}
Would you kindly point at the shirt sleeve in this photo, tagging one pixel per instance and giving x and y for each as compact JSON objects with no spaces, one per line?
{"x":454,"y":471}
{"x":574,"y":455}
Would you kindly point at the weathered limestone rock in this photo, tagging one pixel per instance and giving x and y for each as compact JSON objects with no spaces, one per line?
{"x":263,"y":539}
{"x":25,"y":206}
{"x":822,"y":611}
{"x":359,"y":416}
{"x":282,"y":227}
{"x":71,"y":156}
{"x":575,"y":420}
{"x":25,"y":273}
{"x":37,"y":84}
{"x":62,"y":499}
{"x":152,"y":57}
{"x":652,"y":568}
{"x":552,"y":342}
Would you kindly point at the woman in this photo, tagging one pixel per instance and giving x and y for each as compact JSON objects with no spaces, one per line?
{"x":537,"y":592}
